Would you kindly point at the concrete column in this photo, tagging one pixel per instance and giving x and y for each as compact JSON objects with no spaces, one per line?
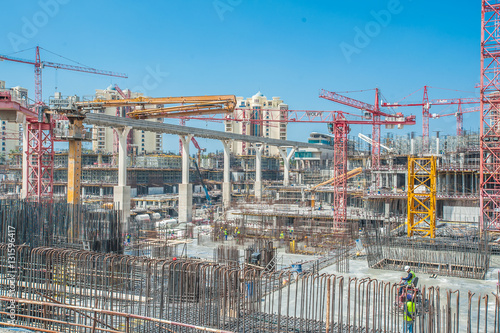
{"x":286,"y":164}
{"x":258,"y":172}
{"x":395,"y":182}
{"x":463,"y":183}
{"x":472,"y":189}
{"x":446,"y":183}
{"x":121,"y":194}
{"x":455,"y":183}
{"x":438,"y":183}
{"x":406,"y":181}
{"x":83,"y":192}
{"x":437,"y":143}
{"x":101,"y":191}
{"x":226,"y":185}
{"x":387,"y":210}
{"x":24,"y":177}
{"x":185,"y":189}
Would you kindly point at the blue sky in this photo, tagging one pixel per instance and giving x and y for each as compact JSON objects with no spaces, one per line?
{"x":290,"y":49}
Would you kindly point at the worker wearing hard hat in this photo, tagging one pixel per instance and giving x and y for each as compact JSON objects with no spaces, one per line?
{"x":408,"y":280}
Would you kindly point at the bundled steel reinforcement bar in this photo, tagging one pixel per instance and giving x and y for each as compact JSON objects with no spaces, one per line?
{"x":227,"y":298}
{"x":59,"y":224}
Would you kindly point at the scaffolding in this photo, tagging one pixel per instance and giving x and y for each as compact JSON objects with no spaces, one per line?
{"x":421,"y":196}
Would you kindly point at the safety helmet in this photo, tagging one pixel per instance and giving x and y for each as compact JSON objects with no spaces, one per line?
{"x":409,"y":297}
{"x":407,"y":268}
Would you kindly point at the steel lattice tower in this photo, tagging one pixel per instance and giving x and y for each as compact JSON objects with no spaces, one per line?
{"x":490,"y":116}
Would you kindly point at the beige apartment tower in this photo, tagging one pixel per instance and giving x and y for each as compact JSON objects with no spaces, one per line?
{"x":141,"y":142}
{"x":258,"y":116}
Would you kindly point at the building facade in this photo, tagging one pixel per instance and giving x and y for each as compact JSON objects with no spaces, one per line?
{"x":311,"y":158}
{"x":138,"y":142}
{"x":11,"y":133}
{"x":258,"y":116}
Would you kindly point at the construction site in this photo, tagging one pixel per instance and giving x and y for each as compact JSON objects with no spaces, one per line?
{"x":105,"y":229}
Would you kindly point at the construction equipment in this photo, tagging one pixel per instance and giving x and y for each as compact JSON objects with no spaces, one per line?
{"x":194,"y":105}
{"x":370,"y":141}
{"x":422,"y":196}
{"x":460,"y":117}
{"x":340,"y":128}
{"x":187,"y":106}
{"x":489,"y":128}
{"x":333,"y":181}
{"x":372,"y":112}
{"x":39,"y":132}
{"x":426,"y":105}
{"x":209,"y":200}
{"x":200,"y":150}
{"x":42,"y":64}
{"x":126,"y":110}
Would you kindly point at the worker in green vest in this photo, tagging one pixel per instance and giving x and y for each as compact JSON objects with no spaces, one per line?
{"x":409,"y":313}
{"x":225,"y":233}
{"x":408,"y":280}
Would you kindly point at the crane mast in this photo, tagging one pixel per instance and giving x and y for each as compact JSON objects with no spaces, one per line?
{"x":39,"y":177}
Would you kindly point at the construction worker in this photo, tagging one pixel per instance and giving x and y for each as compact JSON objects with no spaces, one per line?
{"x":409,"y":313}
{"x":225,"y":233}
{"x":408,"y":280}
{"x":282,"y":237}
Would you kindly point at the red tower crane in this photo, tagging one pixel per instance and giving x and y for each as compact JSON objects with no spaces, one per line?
{"x":39,"y":132}
{"x":460,"y":117}
{"x":374,"y":113}
{"x":489,"y":129}
{"x":426,"y":105}
{"x":340,"y":128}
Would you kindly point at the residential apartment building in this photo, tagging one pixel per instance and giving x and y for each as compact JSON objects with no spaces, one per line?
{"x":258,"y":116}
{"x":11,"y":132}
{"x":139,"y":142}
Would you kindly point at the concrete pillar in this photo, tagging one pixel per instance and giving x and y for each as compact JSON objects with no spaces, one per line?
{"x":455,"y":183}
{"x":387,"y":210}
{"x":226,"y":185}
{"x":395,"y":182}
{"x":447,"y":183}
{"x":463,"y":183}
{"x":83,"y":192}
{"x":437,"y":143}
{"x":101,"y":191}
{"x":406,"y":181}
{"x":286,"y":164}
{"x":122,"y":191}
{"x":438,"y":183}
{"x":185,"y":189}
{"x":472,"y":189}
{"x":258,"y":172}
